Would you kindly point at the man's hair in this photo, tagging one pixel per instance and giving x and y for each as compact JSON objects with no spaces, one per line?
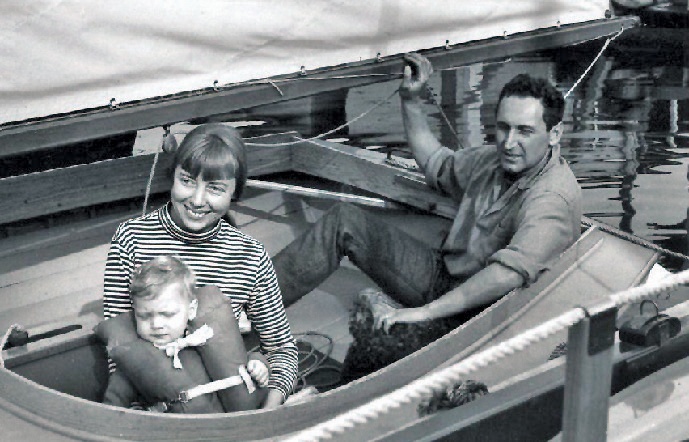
{"x":524,"y":85}
{"x":151,"y":276}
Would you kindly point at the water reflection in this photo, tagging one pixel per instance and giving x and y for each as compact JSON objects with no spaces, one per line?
{"x":626,"y":124}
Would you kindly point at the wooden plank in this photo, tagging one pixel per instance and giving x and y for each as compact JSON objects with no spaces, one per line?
{"x":368,"y":170}
{"x":61,"y":283}
{"x":588,"y":378}
{"x":28,"y":196}
{"x":104,"y":122}
{"x":87,"y":301}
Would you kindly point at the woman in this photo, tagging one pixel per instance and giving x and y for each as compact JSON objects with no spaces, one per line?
{"x":209,"y":171}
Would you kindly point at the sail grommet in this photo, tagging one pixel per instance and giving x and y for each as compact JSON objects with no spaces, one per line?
{"x":216,"y":85}
{"x":379,"y":58}
{"x":447,"y":44}
{"x":302,"y":70}
{"x":113,"y":104}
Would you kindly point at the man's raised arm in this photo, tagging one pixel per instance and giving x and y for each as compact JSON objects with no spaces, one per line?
{"x":419,"y":136}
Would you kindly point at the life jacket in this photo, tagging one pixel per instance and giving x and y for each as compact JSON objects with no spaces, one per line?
{"x":225,"y":354}
{"x":152,"y":373}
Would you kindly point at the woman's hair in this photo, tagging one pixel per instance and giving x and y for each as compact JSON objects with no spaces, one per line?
{"x":216,"y":152}
{"x":524,"y":85}
{"x":151,"y":276}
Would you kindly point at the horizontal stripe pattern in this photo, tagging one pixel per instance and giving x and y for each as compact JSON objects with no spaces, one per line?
{"x":225,"y":257}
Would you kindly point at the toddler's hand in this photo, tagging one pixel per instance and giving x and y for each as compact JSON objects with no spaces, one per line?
{"x":259,"y":372}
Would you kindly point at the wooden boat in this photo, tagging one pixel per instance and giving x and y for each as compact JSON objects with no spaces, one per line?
{"x":49,"y":387}
{"x":53,"y":383}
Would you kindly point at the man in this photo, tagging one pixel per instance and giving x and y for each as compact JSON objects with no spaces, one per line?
{"x":519,"y":208}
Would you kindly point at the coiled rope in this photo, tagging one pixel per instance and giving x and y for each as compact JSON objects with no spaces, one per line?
{"x":425,"y":387}
{"x":312,"y":358}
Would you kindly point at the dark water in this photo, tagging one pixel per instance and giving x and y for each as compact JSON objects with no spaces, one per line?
{"x":626,"y":124}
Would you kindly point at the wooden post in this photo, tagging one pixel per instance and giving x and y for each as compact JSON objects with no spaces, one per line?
{"x":448,"y":104}
{"x":588,"y":377}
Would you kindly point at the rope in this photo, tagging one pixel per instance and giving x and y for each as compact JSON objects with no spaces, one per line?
{"x":586,"y":71}
{"x":318,"y":360}
{"x":431,"y":96}
{"x":150,"y":181}
{"x":4,"y":340}
{"x":425,"y":387}
{"x":648,"y":291}
{"x":633,"y":238}
{"x":332,"y":131}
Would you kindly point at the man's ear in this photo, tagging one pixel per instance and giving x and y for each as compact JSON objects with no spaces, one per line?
{"x":555,"y":134}
{"x":193,"y":307}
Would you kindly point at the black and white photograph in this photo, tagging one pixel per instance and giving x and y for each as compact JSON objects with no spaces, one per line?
{"x":331,"y":220}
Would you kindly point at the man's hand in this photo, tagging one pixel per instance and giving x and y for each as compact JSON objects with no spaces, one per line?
{"x":417,"y":71}
{"x":387,"y":320}
{"x":258,"y":371}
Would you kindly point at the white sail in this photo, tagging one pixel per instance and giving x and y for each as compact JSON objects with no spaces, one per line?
{"x":61,"y":56}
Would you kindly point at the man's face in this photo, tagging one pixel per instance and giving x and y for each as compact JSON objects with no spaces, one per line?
{"x":521,"y":134}
{"x":163,"y":318}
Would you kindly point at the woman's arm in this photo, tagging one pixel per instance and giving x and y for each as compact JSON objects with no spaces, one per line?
{"x":118,"y":268}
{"x":267,"y":314}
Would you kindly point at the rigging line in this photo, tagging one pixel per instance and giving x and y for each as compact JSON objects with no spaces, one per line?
{"x":633,"y":238}
{"x":332,"y":131}
{"x":449,"y":125}
{"x":586,"y":71}
{"x":149,"y":184}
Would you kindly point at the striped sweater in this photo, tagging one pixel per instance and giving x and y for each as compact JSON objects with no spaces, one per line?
{"x":224,"y":257}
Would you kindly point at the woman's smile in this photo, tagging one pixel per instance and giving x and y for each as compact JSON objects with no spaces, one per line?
{"x":195,"y":213}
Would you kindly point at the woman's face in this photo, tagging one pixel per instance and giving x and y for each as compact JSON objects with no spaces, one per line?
{"x":197,"y":205}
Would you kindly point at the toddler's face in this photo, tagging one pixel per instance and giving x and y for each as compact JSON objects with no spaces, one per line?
{"x":163,"y":318}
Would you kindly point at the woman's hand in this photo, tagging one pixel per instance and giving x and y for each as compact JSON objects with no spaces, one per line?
{"x":273,"y":400}
{"x":388,"y":319}
{"x":258,"y":371}
{"x":417,"y":71}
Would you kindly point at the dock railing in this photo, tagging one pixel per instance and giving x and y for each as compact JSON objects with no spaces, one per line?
{"x":588,"y":372}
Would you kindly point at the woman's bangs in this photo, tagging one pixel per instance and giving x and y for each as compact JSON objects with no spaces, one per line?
{"x":211,"y":164}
